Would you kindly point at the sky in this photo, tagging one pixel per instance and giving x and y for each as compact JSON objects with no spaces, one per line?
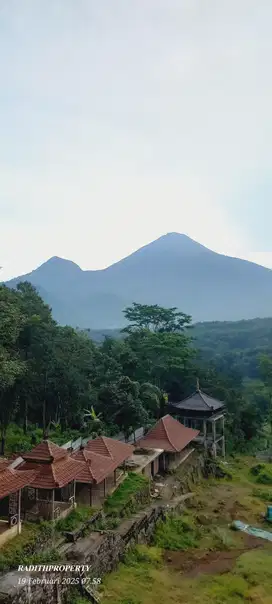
{"x":123,"y":120}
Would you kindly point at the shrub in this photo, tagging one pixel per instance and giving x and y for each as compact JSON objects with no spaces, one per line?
{"x":77,"y":517}
{"x":177,"y":533}
{"x":255,"y":470}
{"x":128,"y":494}
{"x":143,"y":553}
{"x":23,"y":549}
{"x":265,"y":476}
{"x":264,"y":495}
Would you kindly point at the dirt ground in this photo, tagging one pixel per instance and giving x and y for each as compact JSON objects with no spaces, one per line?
{"x":218,"y":503}
{"x":209,"y":563}
{"x":223,"y":565}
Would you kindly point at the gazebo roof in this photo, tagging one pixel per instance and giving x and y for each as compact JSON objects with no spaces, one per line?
{"x":13,"y":480}
{"x":4,"y":463}
{"x":109,"y":447}
{"x":45,"y":451}
{"x":94,"y":467}
{"x":54,"y":466}
{"x":199,"y":401}
{"x":168,"y":434}
{"x":55,"y":475}
{"x":100,"y":457}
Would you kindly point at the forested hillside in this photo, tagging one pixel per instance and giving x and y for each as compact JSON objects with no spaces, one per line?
{"x":231,"y":344}
{"x":236,"y":344}
{"x":56,"y":381}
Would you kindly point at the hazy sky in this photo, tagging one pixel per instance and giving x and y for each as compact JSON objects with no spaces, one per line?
{"x":121,"y":120}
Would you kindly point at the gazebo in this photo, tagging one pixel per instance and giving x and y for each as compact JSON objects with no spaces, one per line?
{"x":100,"y":461}
{"x":52,"y":492}
{"x":11,"y":484}
{"x":207,"y":414}
{"x":173,"y":439}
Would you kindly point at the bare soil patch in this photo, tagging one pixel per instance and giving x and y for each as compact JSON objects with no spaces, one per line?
{"x":209,"y":562}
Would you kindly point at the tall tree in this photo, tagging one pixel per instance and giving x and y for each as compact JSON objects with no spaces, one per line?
{"x":155,"y":318}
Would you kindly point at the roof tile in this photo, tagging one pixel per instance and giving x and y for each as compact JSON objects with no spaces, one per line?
{"x":168,"y":434}
{"x":95,"y":467}
{"x":109,"y":447}
{"x":45,"y":451}
{"x":13,"y":480}
{"x":199,"y":401}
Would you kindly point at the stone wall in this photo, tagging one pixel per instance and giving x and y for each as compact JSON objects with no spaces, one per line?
{"x":191,"y":471}
{"x":102,"y":550}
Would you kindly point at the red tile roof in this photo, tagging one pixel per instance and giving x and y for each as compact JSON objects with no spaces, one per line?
{"x":12,"y":480}
{"x":101,"y":457}
{"x":53,"y":465}
{"x":95,"y":467}
{"x":109,"y":447}
{"x":168,"y":434}
{"x":45,"y":451}
{"x":4,"y":463}
{"x":54,"y":475}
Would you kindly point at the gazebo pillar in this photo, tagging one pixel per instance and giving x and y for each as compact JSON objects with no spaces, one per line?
{"x":19,"y":511}
{"x":205,"y":433}
{"x":53,"y":505}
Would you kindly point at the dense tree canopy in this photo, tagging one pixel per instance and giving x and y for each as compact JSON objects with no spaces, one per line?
{"x":55,"y":381}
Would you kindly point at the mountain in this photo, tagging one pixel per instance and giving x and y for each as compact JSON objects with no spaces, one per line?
{"x":174,"y":270}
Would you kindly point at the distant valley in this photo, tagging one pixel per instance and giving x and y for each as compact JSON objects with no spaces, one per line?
{"x":174,"y":270}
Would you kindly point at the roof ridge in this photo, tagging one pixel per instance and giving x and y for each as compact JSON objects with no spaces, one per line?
{"x":49,"y":443}
{"x":166,"y":431}
{"x":201,"y":394}
{"x":53,"y":472}
{"x":103,"y":439}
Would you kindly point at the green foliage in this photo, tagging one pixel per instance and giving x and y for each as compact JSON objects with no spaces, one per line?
{"x":264,"y":495}
{"x":177,"y":533}
{"x":77,"y":517}
{"x":25,"y":548}
{"x":127,"y":494}
{"x":155,"y":318}
{"x":265,"y":476}
{"x":255,"y":470}
{"x":263,"y":473}
{"x":73,"y":597}
{"x":56,"y":382}
{"x":143,"y":553}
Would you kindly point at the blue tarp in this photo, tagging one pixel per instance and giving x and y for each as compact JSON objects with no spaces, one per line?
{"x":251,"y":530}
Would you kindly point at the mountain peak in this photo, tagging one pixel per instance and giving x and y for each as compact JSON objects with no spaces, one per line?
{"x":173,"y":270}
{"x":178,"y":243}
{"x":57,"y":263}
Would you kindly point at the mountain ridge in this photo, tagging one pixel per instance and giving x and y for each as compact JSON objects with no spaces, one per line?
{"x":173,"y":270}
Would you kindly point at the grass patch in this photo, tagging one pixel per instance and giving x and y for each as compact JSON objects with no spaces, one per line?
{"x":148,"y":581}
{"x":176,"y":533}
{"x":144,"y":578}
{"x":261,"y":494}
{"x":262,"y":473}
{"x":143,"y":553}
{"x":107,"y":524}
{"x":23,"y":549}
{"x":128,"y":494}
{"x":78,"y":516}
{"x":73,"y":597}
